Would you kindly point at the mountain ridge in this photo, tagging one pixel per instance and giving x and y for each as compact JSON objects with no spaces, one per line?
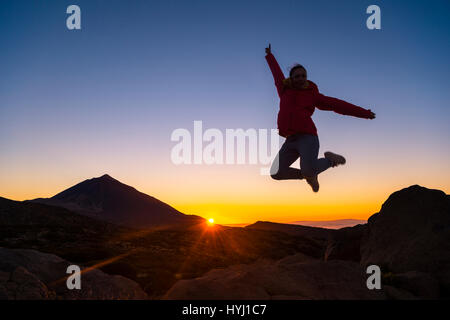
{"x":108,"y":199}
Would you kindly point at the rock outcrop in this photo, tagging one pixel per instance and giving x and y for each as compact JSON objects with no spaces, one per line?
{"x":345,"y":244}
{"x":31,"y":275}
{"x":411,"y":236}
{"x":293,"y":277}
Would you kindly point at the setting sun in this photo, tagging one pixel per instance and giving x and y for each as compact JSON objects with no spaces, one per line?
{"x":211,"y":220}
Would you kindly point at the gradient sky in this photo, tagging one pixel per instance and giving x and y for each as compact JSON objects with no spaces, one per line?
{"x":105,"y":99}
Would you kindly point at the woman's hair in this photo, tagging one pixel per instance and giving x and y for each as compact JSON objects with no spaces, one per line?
{"x":287,"y":82}
{"x":295,"y":67}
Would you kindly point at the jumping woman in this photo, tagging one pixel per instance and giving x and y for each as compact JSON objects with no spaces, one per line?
{"x":298,"y":98}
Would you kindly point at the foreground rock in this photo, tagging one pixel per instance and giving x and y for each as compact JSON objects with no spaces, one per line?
{"x":30,"y":274}
{"x":410,"y":240}
{"x":294,"y":277}
{"x":345,"y":244}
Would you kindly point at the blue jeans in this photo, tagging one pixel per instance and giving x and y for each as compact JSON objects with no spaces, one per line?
{"x":305,"y":146}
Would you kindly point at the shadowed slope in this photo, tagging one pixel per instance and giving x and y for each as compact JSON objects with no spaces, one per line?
{"x":108,"y":199}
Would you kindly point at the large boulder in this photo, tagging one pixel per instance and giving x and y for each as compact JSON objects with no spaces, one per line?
{"x":412,"y":233}
{"x":420,"y":285}
{"x":20,"y":284}
{"x":293,"y":277}
{"x":30,"y":274}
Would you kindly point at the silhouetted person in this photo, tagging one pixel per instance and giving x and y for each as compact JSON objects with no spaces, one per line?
{"x":298,"y":99}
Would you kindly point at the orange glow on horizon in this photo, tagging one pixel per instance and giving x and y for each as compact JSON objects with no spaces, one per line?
{"x":347,"y":193}
{"x":248,"y":213}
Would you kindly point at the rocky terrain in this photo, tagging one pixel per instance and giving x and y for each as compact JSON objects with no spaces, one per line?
{"x":31,"y":275}
{"x":155,"y":258}
{"x":295,"y":277}
{"x":408,"y":239}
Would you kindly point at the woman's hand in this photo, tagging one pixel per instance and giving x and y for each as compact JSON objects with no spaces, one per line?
{"x":372,"y":115}
{"x":268,"y":50}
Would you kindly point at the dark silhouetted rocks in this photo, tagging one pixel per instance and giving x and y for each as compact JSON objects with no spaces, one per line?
{"x":296,"y":277}
{"x":409,"y":239}
{"x":345,"y":244}
{"x":411,"y":233}
{"x":30,"y":274}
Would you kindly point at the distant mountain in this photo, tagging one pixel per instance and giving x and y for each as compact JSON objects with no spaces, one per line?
{"x":108,"y":199}
{"x":320,"y":234}
{"x":328,"y":224}
{"x":331,"y":224}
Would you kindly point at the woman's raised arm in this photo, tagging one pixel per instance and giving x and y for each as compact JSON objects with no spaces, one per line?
{"x":278,"y":75}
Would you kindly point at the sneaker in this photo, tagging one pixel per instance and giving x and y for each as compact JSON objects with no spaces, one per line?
{"x":313,"y":182}
{"x":335,"y":159}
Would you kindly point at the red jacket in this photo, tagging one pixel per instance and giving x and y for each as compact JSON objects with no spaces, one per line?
{"x":297,"y":105}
